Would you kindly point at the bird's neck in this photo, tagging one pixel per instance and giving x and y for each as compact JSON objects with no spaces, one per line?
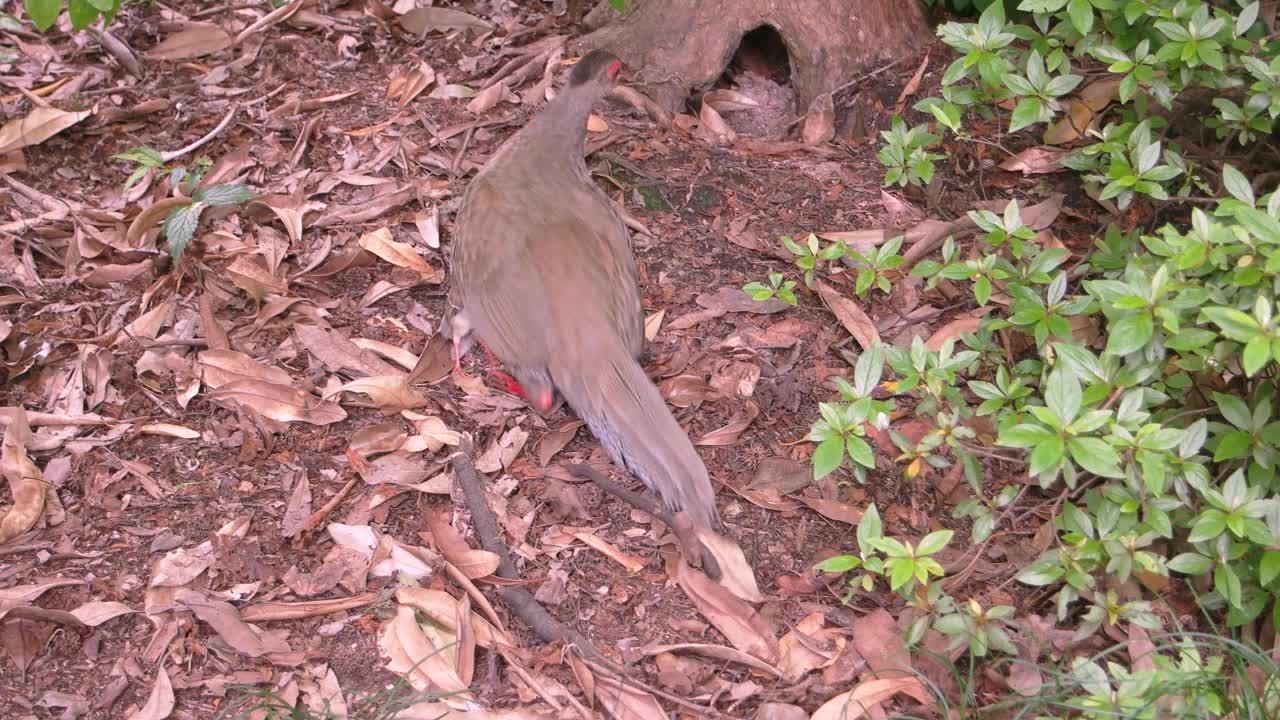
{"x":557,"y":133}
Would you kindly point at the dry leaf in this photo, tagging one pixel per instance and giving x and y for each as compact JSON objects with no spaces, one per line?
{"x":37,"y":126}
{"x":736,"y":573}
{"x":423,"y":20}
{"x":26,"y":483}
{"x":632,"y":564}
{"x":279,"y":402}
{"x":177,"y":431}
{"x":859,"y":701}
{"x":94,"y":614}
{"x":850,"y":316}
{"x":624,"y":702}
{"x":731,"y":615}
{"x":193,"y":41}
{"x":379,"y":243}
{"x":475,"y":564}
{"x":834,"y":509}
{"x":912,"y":86}
{"x":820,"y":121}
{"x":219,"y":367}
{"x":1036,"y":160}
{"x":652,"y":324}
{"x":161,"y":701}
{"x":390,"y":392}
{"x":718,"y":652}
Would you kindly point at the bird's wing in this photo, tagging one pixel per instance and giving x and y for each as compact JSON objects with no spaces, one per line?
{"x":542,"y":272}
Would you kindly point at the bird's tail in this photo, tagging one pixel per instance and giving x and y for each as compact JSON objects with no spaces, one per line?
{"x":630,"y":419}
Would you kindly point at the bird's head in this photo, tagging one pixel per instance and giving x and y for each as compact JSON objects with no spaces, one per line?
{"x":597,"y":66}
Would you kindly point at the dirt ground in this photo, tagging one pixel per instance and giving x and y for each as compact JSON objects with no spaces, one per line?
{"x":127,"y":499}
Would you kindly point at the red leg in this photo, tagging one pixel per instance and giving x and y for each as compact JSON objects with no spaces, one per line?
{"x":509,"y":384}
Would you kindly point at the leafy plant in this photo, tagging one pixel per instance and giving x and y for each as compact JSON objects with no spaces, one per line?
{"x":181,"y":222}
{"x":82,"y":13}
{"x":784,"y":290}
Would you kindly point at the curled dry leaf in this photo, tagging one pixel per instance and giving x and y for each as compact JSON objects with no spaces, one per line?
{"x":1036,"y":160}
{"x":850,"y":315}
{"x":390,"y":392}
{"x":729,"y":434}
{"x":1082,"y":110}
{"x":442,"y":609}
{"x":380,"y":243}
{"x":412,"y":654}
{"x":632,"y":564}
{"x":488,"y":98}
{"x":713,"y":127}
{"x":249,"y":274}
{"x":190,"y":42}
{"x":408,"y":86}
{"x":433,"y":433}
{"x":736,"y":573}
{"x":474,"y":564}
{"x":340,"y":354}
{"x":219,"y":367}
{"x":717,"y":652}
{"x":160,"y":702}
{"x":95,"y":613}
{"x":177,"y":431}
{"x":596,"y":124}
{"x":503,"y":451}
{"x":428,"y":224}
{"x":26,"y":484}
{"x":284,"y":404}
{"x":731,"y":615}
{"x":377,"y":439}
{"x":37,"y":126}
{"x":860,"y":701}
{"x":652,"y":324}
{"x":796,"y":657}
{"x":834,"y":509}
{"x":423,"y":20}
{"x":624,"y":702}
{"x":556,"y":440}
{"x":820,"y":121}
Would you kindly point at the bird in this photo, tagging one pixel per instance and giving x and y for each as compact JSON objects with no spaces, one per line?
{"x":543,"y":275}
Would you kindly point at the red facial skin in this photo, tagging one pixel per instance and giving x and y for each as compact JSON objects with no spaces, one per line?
{"x":614,"y":68}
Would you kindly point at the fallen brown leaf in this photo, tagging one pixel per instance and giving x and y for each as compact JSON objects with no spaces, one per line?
{"x":37,"y":126}
{"x":731,"y":615}
{"x":475,"y":564}
{"x":860,"y":701}
{"x":192,"y":41}
{"x":851,"y":317}
{"x":26,"y":484}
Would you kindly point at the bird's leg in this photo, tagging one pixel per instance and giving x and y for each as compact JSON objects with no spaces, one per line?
{"x":509,"y":384}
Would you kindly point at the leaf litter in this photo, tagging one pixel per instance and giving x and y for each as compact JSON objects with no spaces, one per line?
{"x":280,"y":368}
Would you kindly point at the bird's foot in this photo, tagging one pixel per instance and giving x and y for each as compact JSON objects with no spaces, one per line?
{"x":510,"y":384}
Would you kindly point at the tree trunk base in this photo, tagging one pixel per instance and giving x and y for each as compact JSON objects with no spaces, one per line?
{"x":679,"y":46}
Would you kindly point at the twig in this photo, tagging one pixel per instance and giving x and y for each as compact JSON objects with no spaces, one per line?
{"x":174,"y":154}
{"x":318,"y":516}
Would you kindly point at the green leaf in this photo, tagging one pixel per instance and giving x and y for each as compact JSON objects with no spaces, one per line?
{"x":860,"y":451}
{"x":619,"y":5}
{"x":933,"y":542}
{"x":1062,"y":394}
{"x":827,"y":456}
{"x":1247,"y":17}
{"x":82,"y":14}
{"x":1269,"y":567}
{"x":1234,"y":409}
{"x":1237,"y":184}
{"x":1208,"y":526}
{"x":180,"y":226}
{"x":229,"y":194}
{"x":902,"y":569}
{"x":1024,"y":436}
{"x":1081,"y":14}
{"x":1235,"y":324}
{"x":1233,"y":445}
{"x":1046,"y":455}
{"x":1191,"y":564}
{"x":1096,"y":456}
{"x":1256,"y":354}
{"x":1025,"y":114}
{"x":839,"y":563}
{"x":44,"y":13}
{"x":1130,"y":334}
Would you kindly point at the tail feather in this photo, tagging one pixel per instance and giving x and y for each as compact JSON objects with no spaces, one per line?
{"x":630,"y":419}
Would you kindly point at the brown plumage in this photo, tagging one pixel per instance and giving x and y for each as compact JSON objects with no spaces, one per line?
{"x":543,"y":274}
